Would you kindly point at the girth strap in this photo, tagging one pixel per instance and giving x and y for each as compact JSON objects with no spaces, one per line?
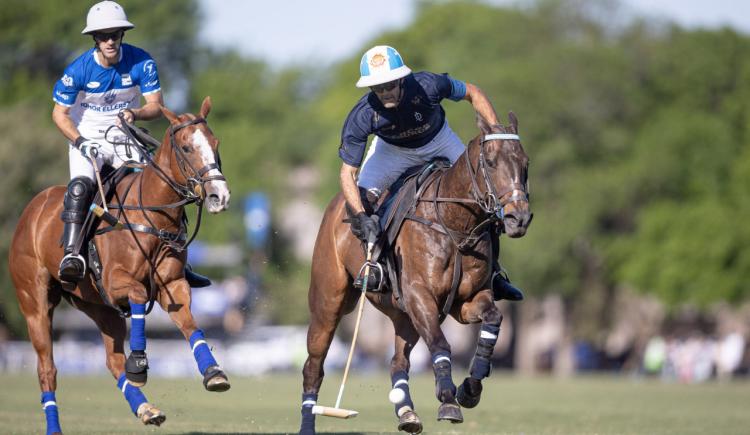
{"x":454,"y":284}
{"x":161,"y":234}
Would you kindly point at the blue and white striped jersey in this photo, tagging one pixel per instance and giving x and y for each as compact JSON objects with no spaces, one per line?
{"x":96,"y":94}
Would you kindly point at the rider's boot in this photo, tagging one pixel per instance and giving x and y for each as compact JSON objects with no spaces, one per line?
{"x":75,"y":207}
{"x":369,"y":200}
{"x":194,"y":279}
{"x":501,"y":286}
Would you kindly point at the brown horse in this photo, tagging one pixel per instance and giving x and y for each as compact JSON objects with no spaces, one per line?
{"x":143,"y":263}
{"x":487,"y":185}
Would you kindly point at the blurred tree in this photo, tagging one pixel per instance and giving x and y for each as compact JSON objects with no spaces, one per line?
{"x":637,"y":135}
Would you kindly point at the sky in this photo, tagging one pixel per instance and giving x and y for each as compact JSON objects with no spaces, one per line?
{"x":299,"y":32}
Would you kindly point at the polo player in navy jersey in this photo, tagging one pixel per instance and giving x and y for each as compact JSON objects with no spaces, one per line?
{"x":403,"y":110}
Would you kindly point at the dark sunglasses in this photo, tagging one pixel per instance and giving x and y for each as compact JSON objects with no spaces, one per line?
{"x":385,"y":87}
{"x":103,"y":37}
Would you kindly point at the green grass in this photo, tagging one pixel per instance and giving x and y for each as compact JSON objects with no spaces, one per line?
{"x":510,"y":405}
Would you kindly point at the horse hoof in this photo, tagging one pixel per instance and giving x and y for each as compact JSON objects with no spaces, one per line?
{"x":136,"y":368}
{"x":469,"y":393}
{"x":410,"y":423}
{"x":215,"y":380}
{"x":149,"y":414}
{"x":450,"y":412}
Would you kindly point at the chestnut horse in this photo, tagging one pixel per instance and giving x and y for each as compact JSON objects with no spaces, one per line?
{"x":142,"y":263}
{"x":486,"y":186}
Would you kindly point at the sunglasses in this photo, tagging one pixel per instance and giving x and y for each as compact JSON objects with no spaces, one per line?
{"x":385,"y":87}
{"x":103,"y":37}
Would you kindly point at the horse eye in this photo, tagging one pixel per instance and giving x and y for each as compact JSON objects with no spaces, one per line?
{"x":186,"y":148}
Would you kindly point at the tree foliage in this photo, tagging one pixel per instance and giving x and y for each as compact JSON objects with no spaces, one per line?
{"x":637,"y":133}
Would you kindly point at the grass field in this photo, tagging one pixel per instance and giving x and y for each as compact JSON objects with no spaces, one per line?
{"x":270,"y":405}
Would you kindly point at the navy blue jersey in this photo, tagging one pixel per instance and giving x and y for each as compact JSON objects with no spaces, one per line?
{"x":413,"y":123}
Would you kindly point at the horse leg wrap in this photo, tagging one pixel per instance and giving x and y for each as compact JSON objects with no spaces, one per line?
{"x":201,"y":352}
{"x":49,"y":404}
{"x":481,"y":365}
{"x":445,"y":390}
{"x":137,"y":326}
{"x":307,"y":427}
{"x":400,"y":380}
{"x":132,"y":394}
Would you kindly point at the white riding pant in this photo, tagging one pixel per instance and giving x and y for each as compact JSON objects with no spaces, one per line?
{"x":384,"y":162}
{"x":114,"y":156}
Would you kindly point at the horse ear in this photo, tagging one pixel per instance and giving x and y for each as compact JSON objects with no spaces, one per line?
{"x":513,"y":121}
{"x":169,"y":115}
{"x":482,"y":124}
{"x":205,"y":107}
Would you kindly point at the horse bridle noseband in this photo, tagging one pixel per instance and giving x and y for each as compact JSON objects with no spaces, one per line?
{"x":491,"y":202}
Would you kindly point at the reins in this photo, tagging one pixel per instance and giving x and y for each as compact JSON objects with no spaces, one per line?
{"x":191,"y":192}
{"x":490,"y":202}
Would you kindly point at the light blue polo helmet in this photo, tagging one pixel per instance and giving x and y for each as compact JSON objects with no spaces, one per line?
{"x":381,"y":64}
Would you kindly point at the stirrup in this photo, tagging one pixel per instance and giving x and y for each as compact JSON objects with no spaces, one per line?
{"x":65,"y":274}
{"x":376,"y":272}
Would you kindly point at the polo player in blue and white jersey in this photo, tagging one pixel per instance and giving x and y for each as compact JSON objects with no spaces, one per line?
{"x":102,"y":82}
{"x":403,"y":110}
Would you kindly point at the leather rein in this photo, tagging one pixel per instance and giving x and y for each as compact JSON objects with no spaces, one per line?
{"x":491,"y":202}
{"x":192,"y":192}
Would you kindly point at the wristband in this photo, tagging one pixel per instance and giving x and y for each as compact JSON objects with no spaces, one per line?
{"x":79,"y":140}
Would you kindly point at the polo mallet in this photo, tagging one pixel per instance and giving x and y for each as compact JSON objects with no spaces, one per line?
{"x":336,"y":411}
{"x":102,"y":213}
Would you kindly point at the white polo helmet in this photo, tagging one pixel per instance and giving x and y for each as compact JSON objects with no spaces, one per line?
{"x":106,"y":15}
{"x":381,"y":64}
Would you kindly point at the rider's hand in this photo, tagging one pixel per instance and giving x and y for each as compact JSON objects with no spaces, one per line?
{"x":87,"y":147}
{"x":366,"y":228}
{"x":127,"y":115}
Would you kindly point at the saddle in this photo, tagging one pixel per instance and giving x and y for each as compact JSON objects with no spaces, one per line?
{"x":393,"y":210}
{"x":110,"y":179}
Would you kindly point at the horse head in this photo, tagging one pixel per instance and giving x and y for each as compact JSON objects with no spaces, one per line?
{"x":503,"y":165}
{"x":196,"y":161}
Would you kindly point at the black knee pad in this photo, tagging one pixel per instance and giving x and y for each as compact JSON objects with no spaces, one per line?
{"x":77,"y":199}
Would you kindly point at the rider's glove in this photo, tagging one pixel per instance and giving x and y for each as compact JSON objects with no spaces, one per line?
{"x":366,"y":228}
{"x":87,"y":147}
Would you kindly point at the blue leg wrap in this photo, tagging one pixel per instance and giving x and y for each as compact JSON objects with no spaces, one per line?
{"x":308,"y":418}
{"x":400,"y":380}
{"x":137,"y":326}
{"x":201,"y":351}
{"x":481,"y":365}
{"x":132,"y":394}
{"x":445,"y":389}
{"x":49,"y":404}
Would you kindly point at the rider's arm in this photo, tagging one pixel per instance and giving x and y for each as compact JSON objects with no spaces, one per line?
{"x":481,"y":103}
{"x":61,"y":117}
{"x":150,"y":110}
{"x":348,"y":179}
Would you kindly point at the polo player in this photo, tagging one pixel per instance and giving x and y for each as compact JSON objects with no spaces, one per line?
{"x":403,"y":110}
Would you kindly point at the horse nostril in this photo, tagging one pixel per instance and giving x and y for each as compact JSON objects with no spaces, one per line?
{"x":510,"y":220}
{"x":214,"y":200}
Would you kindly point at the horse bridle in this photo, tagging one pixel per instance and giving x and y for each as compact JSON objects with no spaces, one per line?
{"x":491,"y":202}
{"x":197,"y":179}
